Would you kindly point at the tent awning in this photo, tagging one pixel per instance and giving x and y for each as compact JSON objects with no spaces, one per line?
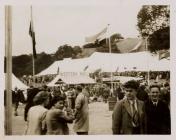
{"x":17,"y":83}
{"x":71,"y":79}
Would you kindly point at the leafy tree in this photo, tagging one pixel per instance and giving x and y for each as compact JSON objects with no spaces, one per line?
{"x":77,"y":49}
{"x":64,"y":51}
{"x":154,"y":23}
{"x":116,"y":37}
{"x":160,"y":40}
{"x":90,"y":45}
{"x":19,"y":63}
{"x":43,"y":61}
{"x":152,"y":18}
{"x":22,"y":65}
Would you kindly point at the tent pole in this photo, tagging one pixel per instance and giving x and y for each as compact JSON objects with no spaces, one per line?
{"x":110,"y":51}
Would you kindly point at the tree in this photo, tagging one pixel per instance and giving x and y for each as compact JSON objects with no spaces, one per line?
{"x":152,"y":18}
{"x":116,"y":37}
{"x":77,"y":49}
{"x":19,"y":64}
{"x":160,"y":40}
{"x":43,"y":61}
{"x":64,"y":51}
{"x":153,"y":23}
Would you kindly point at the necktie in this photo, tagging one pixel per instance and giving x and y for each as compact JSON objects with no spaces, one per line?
{"x":155,"y":104}
{"x":135,"y":118}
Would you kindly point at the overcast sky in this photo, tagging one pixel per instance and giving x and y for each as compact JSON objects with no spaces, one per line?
{"x":59,"y":25}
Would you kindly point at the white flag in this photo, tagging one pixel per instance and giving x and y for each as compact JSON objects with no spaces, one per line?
{"x":96,"y":36}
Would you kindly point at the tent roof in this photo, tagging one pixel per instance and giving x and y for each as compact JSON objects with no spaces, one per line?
{"x":110,"y":62}
{"x":17,"y":83}
{"x":71,"y":79}
{"x":139,"y":61}
{"x":66,"y":65}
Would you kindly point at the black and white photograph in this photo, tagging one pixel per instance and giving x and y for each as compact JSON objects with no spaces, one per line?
{"x":87,"y":69}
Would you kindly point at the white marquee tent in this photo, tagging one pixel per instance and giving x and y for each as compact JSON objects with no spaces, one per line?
{"x":110,"y":62}
{"x":17,"y":83}
{"x":140,"y":61}
{"x":74,"y":79}
{"x":66,"y":65}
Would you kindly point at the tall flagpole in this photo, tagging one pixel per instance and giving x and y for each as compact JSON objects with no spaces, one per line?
{"x":110,"y":51}
{"x":8,"y":70}
{"x":33,"y":59}
{"x":148,"y":73}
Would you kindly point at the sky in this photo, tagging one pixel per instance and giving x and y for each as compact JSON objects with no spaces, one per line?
{"x":69,"y":24}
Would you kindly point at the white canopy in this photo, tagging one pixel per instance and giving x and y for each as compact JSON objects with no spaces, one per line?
{"x":71,"y":79}
{"x":66,"y":65}
{"x":140,"y":61}
{"x":110,"y":62}
{"x":17,"y":83}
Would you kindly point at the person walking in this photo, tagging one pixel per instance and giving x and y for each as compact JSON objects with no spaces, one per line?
{"x":157,"y":112}
{"x":36,"y":114}
{"x":81,"y":124}
{"x":129,"y":114}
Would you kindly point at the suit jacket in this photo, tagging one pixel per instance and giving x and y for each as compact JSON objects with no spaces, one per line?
{"x":82,"y":114}
{"x":56,"y":121}
{"x":122,"y":117}
{"x":158,"y":118}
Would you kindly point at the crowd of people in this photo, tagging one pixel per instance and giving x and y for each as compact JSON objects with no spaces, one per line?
{"x":47,"y":111}
{"x":140,"y":109}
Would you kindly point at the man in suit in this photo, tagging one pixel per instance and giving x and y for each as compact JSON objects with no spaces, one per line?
{"x":128,"y":115}
{"x":157,"y":112}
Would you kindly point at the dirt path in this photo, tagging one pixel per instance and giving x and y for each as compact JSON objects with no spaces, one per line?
{"x":100,"y":120}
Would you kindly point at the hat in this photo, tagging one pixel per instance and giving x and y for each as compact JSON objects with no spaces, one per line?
{"x":41,"y":97}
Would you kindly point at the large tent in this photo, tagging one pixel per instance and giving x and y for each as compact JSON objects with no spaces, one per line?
{"x":139,"y":61}
{"x":66,"y":65}
{"x":17,"y":83}
{"x":110,"y":62}
{"x":71,"y":79}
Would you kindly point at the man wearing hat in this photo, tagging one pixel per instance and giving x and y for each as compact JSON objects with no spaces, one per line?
{"x":128,"y":115}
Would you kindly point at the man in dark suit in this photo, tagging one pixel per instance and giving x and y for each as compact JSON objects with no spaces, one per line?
{"x":128,"y":115}
{"x":157,"y":112}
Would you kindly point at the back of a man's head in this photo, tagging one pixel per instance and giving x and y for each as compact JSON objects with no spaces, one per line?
{"x":132,"y":84}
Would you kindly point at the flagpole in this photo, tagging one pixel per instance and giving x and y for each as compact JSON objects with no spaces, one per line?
{"x":33,"y":60}
{"x":110,"y":51}
{"x":8,"y":70}
{"x":148,"y":73}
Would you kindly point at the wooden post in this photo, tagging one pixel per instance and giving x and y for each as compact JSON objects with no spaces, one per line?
{"x":8,"y":67}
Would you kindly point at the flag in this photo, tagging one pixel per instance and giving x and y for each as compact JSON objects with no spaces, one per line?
{"x":86,"y":68}
{"x":95,"y":37}
{"x":32,"y":34}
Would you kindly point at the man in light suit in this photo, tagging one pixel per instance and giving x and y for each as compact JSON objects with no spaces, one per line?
{"x":128,"y":115}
